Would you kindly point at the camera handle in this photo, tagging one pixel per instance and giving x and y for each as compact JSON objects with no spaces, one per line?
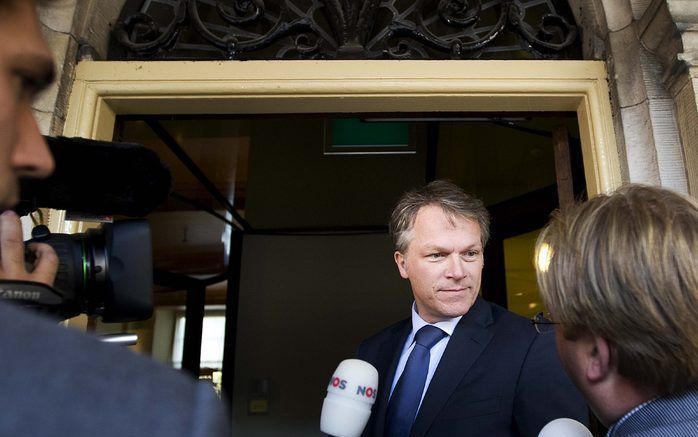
{"x":123,"y":338}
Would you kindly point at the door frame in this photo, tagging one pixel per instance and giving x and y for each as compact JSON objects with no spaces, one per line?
{"x":102,"y":90}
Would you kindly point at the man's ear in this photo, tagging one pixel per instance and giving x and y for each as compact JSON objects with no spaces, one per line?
{"x":401,"y":264}
{"x":599,"y":365}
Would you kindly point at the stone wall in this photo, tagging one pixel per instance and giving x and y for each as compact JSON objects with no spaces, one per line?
{"x":640,"y":40}
{"x":651,"y":52}
{"x":684,"y":83}
{"x":74,"y":29}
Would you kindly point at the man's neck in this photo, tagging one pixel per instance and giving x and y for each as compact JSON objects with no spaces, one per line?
{"x":619,"y":397}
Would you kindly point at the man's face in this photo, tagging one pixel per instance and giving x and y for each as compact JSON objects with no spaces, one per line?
{"x":26,"y":66}
{"x":575,"y":357}
{"x":570,"y":352}
{"x":443,"y":263}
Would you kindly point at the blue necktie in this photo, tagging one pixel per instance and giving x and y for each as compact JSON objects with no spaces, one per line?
{"x":403,"y":405}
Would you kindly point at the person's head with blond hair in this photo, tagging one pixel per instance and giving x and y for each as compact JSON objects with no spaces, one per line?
{"x":619,"y":273}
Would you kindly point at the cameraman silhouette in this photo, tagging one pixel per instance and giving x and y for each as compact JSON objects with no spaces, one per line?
{"x":55,"y":381}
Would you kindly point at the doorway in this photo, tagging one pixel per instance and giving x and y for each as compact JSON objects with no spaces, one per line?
{"x":316,"y":260}
{"x":340,"y":88}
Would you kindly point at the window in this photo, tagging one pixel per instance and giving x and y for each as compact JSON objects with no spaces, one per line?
{"x":211,"y":340}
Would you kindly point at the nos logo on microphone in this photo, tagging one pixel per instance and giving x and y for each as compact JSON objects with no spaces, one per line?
{"x":341,"y":384}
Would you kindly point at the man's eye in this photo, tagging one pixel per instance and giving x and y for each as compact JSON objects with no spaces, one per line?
{"x":435,"y":255}
{"x":26,"y":87}
{"x":19,"y":86}
{"x":30,"y":87}
{"x":471,"y":254}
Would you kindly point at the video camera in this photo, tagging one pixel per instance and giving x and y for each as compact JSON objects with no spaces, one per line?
{"x":107,"y":271}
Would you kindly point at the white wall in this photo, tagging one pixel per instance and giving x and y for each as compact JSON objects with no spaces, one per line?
{"x":306,"y":302}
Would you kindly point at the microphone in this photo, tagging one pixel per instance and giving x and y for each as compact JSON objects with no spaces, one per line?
{"x":350,"y":396}
{"x":98,"y":178}
{"x":564,"y":427}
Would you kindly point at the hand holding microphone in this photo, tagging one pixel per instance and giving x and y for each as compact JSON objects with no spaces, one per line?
{"x":350,"y":396}
{"x":564,"y":427}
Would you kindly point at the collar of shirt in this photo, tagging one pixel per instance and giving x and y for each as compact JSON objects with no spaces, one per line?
{"x":448,"y":326}
{"x":437,"y":351}
{"x":626,"y":416}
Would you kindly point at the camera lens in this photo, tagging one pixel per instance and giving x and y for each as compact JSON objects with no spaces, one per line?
{"x":106,"y":272}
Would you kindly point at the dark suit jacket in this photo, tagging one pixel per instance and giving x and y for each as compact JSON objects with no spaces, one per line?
{"x":497,"y":377}
{"x":57,"y":382}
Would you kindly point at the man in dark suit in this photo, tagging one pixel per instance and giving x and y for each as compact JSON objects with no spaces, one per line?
{"x":54,"y":381}
{"x":484,"y":371}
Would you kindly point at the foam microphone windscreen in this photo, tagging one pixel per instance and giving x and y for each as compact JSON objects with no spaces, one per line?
{"x":564,"y":427}
{"x":350,"y":396}
{"x":100,"y":178}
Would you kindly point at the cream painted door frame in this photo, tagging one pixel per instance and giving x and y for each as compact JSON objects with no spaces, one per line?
{"x":103,"y":90}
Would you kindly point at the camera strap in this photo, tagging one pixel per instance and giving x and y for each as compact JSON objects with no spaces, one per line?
{"x":29,"y":293}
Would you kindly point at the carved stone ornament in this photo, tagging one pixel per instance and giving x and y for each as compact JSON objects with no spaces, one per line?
{"x":345,"y":29}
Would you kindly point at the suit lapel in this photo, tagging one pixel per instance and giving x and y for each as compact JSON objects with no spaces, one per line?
{"x":387,"y":360}
{"x":472,"y":334}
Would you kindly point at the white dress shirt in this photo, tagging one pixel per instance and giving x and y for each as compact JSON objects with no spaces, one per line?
{"x":436,"y":352}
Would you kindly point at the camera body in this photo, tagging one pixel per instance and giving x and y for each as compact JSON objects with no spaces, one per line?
{"x":107,"y":272}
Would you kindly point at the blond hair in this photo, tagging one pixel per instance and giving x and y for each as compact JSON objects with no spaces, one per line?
{"x":623,"y":267}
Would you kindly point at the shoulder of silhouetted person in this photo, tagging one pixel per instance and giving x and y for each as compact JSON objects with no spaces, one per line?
{"x":56,"y":381}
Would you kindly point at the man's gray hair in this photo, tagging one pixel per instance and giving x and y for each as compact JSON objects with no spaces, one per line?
{"x":450,"y":197}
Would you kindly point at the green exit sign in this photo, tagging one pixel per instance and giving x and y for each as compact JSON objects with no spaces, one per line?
{"x":355,"y":136}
